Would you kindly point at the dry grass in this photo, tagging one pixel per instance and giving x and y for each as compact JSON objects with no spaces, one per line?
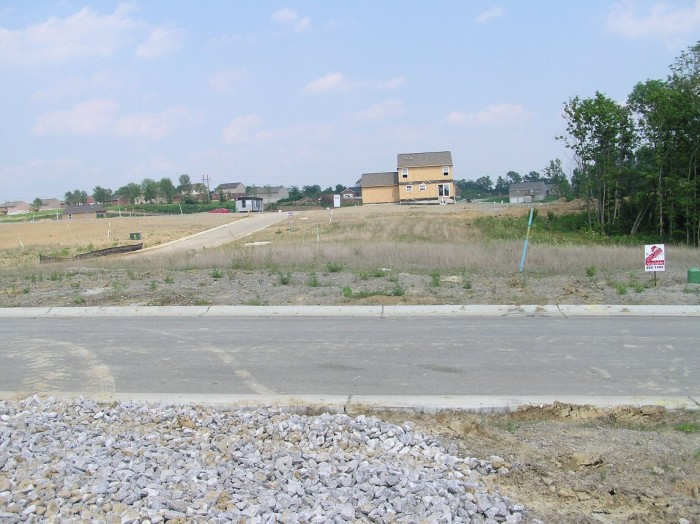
{"x":404,"y":239}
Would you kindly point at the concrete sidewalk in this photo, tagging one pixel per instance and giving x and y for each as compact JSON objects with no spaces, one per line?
{"x":361,"y":403}
{"x":562,"y":311}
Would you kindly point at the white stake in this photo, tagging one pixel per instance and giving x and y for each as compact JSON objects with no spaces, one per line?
{"x":20,"y":242}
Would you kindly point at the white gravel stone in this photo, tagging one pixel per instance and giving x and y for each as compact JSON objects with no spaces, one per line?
{"x":132,"y":462}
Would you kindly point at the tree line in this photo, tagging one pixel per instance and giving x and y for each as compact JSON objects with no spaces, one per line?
{"x":152,"y":190}
{"x":553,"y":174}
{"x":636,"y":162}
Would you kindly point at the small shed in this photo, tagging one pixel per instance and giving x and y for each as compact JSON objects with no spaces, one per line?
{"x":83,"y":211}
{"x":528,"y":192}
{"x":249,"y":204}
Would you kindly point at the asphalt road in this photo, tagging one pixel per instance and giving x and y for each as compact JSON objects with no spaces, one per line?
{"x":216,"y":236}
{"x":185,"y":357}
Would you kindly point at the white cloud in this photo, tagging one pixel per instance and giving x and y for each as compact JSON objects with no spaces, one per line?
{"x":337,"y":82}
{"x":285,"y":16}
{"x":385,"y":109}
{"x":290,"y":19}
{"x":161,"y":41}
{"x":99,"y":117}
{"x":393,"y":83}
{"x":329,"y":82}
{"x":302,"y":25}
{"x":493,"y":115}
{"x":494,"y":12}
{"x":244,"y":129}
{"x":154,"y":126}
{"x":225,"y":81}
{"x":84,"y":34}
{"x":87,"y":118}
{"x":664,"y":21}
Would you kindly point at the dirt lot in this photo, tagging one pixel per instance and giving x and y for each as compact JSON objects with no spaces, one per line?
{"x":566,"y":463}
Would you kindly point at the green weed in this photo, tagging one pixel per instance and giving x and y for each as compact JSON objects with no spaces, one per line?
{"x":313,"y":280}
{"x":347,"y":292}
{"x":285,"y":278}
{"x":688,"y":427}
{"x":216,"y":274}
{"x":435,"y":279}
{"x":590,"y":271}
{"x":169,"y":280}
{"x":334,"y":267}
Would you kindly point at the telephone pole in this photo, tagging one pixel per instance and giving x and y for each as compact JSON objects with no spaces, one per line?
{"x":205,"y":181}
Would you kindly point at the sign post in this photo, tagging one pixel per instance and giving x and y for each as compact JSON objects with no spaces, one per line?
{"x":654,"y":258}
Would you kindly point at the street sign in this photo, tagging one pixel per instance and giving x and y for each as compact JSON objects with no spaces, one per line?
{"x":654,"y":257}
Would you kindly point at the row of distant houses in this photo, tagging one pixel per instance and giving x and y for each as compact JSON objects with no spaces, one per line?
{"x":418,"y":178}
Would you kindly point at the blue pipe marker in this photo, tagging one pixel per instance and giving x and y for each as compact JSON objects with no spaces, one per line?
{"x":527,"y":236}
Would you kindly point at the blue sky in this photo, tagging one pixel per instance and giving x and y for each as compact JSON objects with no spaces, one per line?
{"x":307,"y":92}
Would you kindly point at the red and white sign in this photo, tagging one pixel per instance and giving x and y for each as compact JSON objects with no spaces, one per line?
{"x":654,"y":257}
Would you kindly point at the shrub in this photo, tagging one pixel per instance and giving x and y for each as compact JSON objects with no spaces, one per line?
{"x":435,"y":279}
{"x":334,"y":267}
{"x":313,"y":280}
{"x":590,"y":271}
{"x":285,"y":278}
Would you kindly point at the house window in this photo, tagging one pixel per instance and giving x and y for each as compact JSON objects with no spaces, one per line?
{"x":446,"y":170}
{"x":409,"y":188}
{"x":444,"y":190}
{"x":421,"y":187}
{"x":404,"y":172}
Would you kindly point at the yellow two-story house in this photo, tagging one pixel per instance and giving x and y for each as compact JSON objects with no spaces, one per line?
{"x":420,"y":177}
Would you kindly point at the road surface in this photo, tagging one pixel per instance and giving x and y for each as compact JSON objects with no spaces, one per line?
{"x":192,"y":357}
{"x":216,"y":236}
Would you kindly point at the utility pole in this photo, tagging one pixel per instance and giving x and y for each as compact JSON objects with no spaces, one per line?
{"x":205,"y":181}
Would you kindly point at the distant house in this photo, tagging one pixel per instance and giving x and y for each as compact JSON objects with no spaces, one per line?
{"x":116,"y":200}
{"x":50,"y":203}
{"x":269,"y":194}
{"x":249,"y":204}
{"x":380,"y":188}
{"x":419,"y":178}
{"x":352,"y":193}
{"x":14,"y":208}
{"x":83,"y":212}
{"x":232,"y":190}
{"x":528,"y":192}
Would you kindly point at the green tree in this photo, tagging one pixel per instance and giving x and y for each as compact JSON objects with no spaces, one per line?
{"x":554,"y":174}
{"x":185,"y":184}
{"x":339,"y":188}
{"x":149,"y":189}
{"x":311,"y":191}
{"x":101,"y":194}
{"x":131,"y":191}
{"x":601,"y":136}
{"x":74,"y":198}
{"x":532,"y":176}
{"x":484,"y":184}
{"x":37,"y":203}
{"x":166,"y":189}
{"x":501,"y":187}
{"x":513,"y":177}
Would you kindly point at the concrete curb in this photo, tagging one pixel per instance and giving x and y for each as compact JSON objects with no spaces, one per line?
{"x":362,"y":403}
{"x":356,"y":311}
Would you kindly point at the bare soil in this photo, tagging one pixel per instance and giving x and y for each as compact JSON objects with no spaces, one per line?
{"x":565,"y":463}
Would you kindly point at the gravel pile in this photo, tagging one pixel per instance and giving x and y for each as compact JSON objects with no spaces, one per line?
{"x":80,"y":461}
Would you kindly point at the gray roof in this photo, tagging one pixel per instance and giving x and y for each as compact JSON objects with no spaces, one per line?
{"x":440,"y":158}
{"x":229,"y":185}
{"x":527,"y":185}
{"x":84,"y":208}
{"x":380,"y":179}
